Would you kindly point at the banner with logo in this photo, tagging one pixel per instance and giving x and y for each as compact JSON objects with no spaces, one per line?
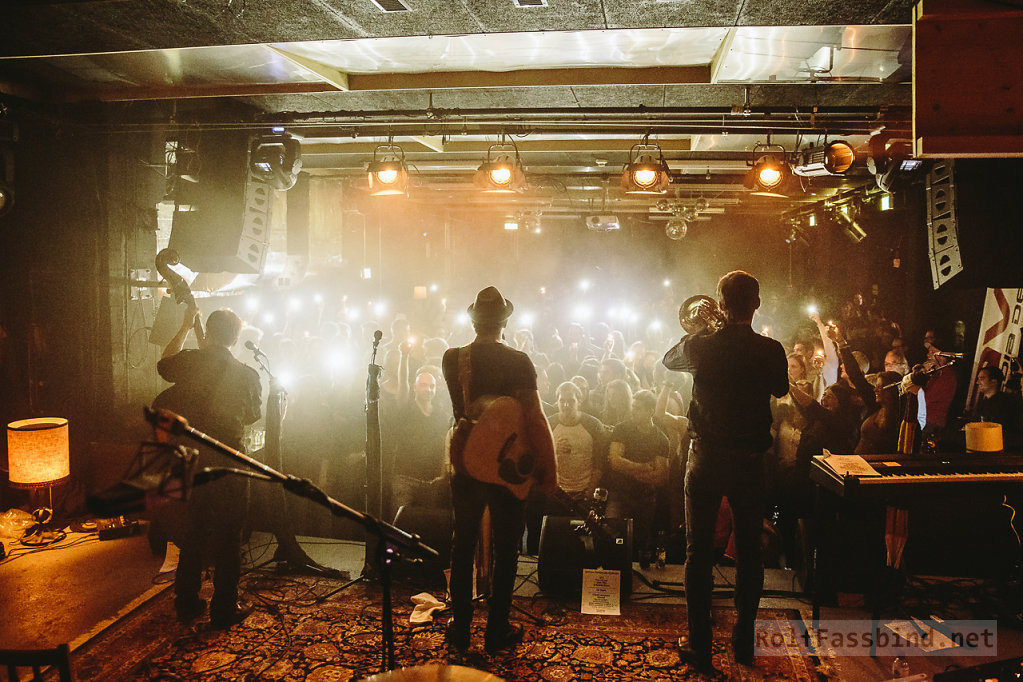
{"x":999,"y":338}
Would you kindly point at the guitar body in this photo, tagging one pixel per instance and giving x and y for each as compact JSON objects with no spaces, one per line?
{"x":497,"y":448}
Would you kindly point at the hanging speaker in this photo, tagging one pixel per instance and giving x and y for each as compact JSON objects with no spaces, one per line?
{"x":567,"y":547}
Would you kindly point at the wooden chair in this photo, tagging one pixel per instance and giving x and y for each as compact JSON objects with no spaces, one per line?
{"x":37,"y":659}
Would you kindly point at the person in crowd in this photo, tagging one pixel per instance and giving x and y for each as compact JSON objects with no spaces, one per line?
{"x":486,"y":367}
{"x":617,"y":404}
{"x":995,"y":405}
{"x":938,"y":393}
{"x":735,"y":372}
{"x":414,"y":437}
{"x":638,"y":468}
{"x":219,"y":396}
{"x":609,"y":369}
{"x":580,"y":448}
{"x":879,"y":432}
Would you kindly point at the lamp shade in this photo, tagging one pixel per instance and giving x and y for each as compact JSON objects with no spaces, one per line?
{"x":38,"y":452}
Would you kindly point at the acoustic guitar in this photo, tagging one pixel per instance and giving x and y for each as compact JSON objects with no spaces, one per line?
{"x":497,"y":448}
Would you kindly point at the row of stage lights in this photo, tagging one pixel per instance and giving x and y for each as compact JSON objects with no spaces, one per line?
{"x":277,"y":160}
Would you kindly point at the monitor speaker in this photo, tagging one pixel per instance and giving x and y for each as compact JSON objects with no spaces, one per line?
{"x":567,"y":547}
{"x":433,"y":525}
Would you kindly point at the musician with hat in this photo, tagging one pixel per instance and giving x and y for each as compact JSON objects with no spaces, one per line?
{"x":500,"y":447}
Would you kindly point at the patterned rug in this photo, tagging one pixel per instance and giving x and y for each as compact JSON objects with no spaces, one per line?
{"x":295,"y":634}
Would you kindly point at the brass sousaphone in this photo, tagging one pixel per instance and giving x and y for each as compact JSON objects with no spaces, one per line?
{"x":700,"y":313}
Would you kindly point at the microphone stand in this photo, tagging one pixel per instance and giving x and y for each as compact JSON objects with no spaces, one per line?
{"x":391,"y":539}
{"x":374,"y":460}
{"x":288,"y":549}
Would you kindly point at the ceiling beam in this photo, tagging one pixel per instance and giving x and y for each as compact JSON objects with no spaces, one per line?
{"x":656,"y":75}
{"x":330,"y":75}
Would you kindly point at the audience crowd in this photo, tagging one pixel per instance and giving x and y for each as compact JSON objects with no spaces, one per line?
{"x":857,"y":385}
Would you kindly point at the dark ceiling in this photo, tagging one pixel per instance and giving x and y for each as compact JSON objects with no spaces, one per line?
{"x":574,"y":83}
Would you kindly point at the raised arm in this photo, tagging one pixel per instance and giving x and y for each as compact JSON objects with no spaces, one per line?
{"x":174,"y":346}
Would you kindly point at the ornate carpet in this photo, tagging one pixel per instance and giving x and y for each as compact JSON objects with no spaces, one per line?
{"x":294,"y":633}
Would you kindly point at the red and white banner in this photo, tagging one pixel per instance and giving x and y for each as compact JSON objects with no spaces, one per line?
{"x":999,"y":338}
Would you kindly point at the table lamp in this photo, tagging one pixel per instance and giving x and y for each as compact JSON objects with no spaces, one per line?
{"x":38,"y":457}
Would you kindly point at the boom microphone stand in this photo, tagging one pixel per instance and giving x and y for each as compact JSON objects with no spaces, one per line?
{"x":390,"y":538}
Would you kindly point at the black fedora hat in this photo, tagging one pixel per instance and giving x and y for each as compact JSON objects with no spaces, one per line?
{"x":490,"y":306}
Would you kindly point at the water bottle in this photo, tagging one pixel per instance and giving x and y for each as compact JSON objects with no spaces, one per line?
{"x":661,"y":552}
{"x":900,"y":667}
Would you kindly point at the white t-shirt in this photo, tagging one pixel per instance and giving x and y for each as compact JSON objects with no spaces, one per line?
{"x":573,"y":450}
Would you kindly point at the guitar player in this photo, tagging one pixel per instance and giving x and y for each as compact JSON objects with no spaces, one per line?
{"x":475,"y":374}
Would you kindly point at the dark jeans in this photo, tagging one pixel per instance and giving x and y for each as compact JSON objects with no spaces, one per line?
{"x":215,"y":515}
{"x":469,"y":498}
{"x":739,"y":476}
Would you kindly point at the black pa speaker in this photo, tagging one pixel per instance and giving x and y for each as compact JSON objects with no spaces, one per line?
{"x":567,"y":547}
{"x":433,"y":525}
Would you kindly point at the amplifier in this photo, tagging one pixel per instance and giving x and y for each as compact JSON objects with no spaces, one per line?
{"x":567,"y":547}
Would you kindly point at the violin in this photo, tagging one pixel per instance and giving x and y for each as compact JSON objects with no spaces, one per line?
{"x":179,"y":287}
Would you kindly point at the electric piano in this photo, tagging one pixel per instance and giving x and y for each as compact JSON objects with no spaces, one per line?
{"x":898,"y":475}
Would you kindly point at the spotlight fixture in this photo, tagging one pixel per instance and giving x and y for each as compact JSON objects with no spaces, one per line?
{"x":387,"y":174}
{"x":891,"y":161}
{"x":647,"y":171}
{"x":276,"y":160}
{"x":501,"y":172}
{"x":770,"y":173}
{"x":846,"y":222}
{"x":833,"y":158}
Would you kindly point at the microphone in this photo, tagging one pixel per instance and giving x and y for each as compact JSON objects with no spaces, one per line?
{"x":377,"y":335}
{"x":951,"y":356}
{"x":254,"y":348}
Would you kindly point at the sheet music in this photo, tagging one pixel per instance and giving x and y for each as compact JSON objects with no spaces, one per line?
{"x":852,"y":465}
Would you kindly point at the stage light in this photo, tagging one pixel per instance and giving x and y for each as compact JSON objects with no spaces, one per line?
{"x":584,"y":285}
{"x":294,"y":303}
{"x":268,"y":318}
{"x":252,"y":302}
{"x":846,"y":222}
{"x":812,"y":220}
{"x":502,"y":171}
{"x":367,"y":273}
{"x":646,"y":172}
{"x":511,"y":224}
{"x":769,"y":174}
{"x":380,"y":309}
{"x":387,"y":174}
{"x":885,"y":204}
{"x":526,"y":319}
{"x":318,"y":298}
{"x":667,"y":282}
{"x":434,"y":288}
{"x":891,"y":161}
{"x":276,"y":160}
{"x":834,"y":158}
{"x":462,"y":319}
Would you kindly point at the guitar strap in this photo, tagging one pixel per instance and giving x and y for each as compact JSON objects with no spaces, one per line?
{"x":465,"y":376}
